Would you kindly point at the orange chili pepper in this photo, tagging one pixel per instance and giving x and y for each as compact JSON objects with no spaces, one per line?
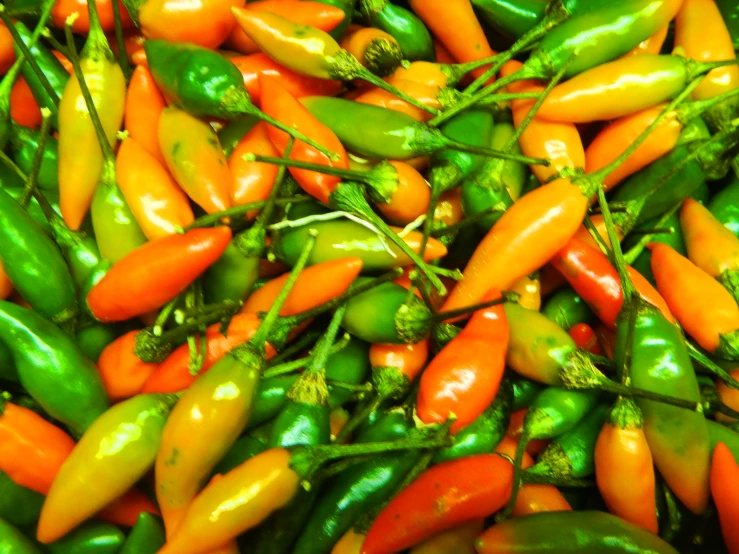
{"x":449,"y":208}
{"x":624,"y":469}
{"x":350,"y":543}
{"x":375,"y":49}
{"x":456,"y":26}
{"x":155,"y":273}
{"x":122,"y":372}
{"x":315,"y":14}
{"x":144,"y":105}
{"x":195,"y":158}
{"x":460,"y":540}
{"x":280,"y":104}
{"x":529,"y":292}
{"x":652,"y":45}
{"x":6,"y":287}
{"x":426,"y":94}
{"x":316,"y":285}
{"x":515,"y":428}
{"x":532,"y":499}
{"x":729,"y":396}
{"x":23,"y":107}
{"x":64,"y":61}
{"x":710,"y":245}
{"x":426,"y":73}
{"x":252,"y":181}
{"x":64,"y":8}
{"x":410,"y":199}
{"x":584,"y":337}
{"x":560,"y":142}
{"x":701,"y":32}
{"x":7,"y":53}
{"x":596,"y":281}
{"x":724,"y":488}
{"x":133,"y":41}
{"x":298,"y":85}
{"x":617,"y":136}
{"x":156,"y":201}
{"x":207,"y":23}
{"x":464,"y":377}
{"x":410,"y":359}
{"x":704,"y":308}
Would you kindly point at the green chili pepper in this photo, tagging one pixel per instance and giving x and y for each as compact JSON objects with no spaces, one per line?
{"x":19,"y":506}
{"x":52,"y":69}
{"x":234,"y":131}
{"x":497,"y":184}
{"x":524,"y":392}
{"x":730,"y":12}
{"x":725,"y":205}
{"x":92,"y":538}
{"x":511,"y":18}
{"x":232,"y":276}
{"x":403,"y":25}
{"x":351,"y":365}
{"x":485,"y":433}
{"x":243,"y":449}
{"x":25,"y":142}
{"x":566,"y":308}
{"x":51,"y":367}
{"x":358,"y":489}
{"x":588,"y":532}
{"x":146,"y":537}
{"x":674,"y":239}
{"x":270,"y":398}
{"x":8,"y":370}
{"x":33,"y":209}
{"x":92,"y":339}
{"x":721,"y":433}
{"x":34,"y":264}
{"x":572,"y":454}
{"x":12,"y":541}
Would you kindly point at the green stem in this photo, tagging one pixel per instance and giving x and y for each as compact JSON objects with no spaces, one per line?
{"x":617,"y":255}
{"x":359,"y":416}
{"x":317,"y":361}
{"x":54,"y":43}
{"x":592,"y":229}
{"x":38,"y":157}
{"x":635,"y":251}
{"x":352,"y":387}
{"x":120,"y":42}
{"x":450,"y":314}
{"x":691,"y":110}
{"x":164,"y":316}
{"x":306,"y":340}
{"x":523,"y":442}
{"x":289,"y":367}
{"x":217,"y":217}
{"x":492,"y":153}
{"x":697,"y":355}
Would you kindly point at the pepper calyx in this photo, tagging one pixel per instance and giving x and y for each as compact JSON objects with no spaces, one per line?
{"x":389,"y":382}
{"x":382,"y":57}
{"x":310,"y":388}
{"x":412,"y":321}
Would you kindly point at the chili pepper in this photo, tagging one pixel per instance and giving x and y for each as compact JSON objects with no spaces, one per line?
{"x":410,"y":198}
{"x":15,"y":541}
{"x":621,"y":87}
{"x":94,"y":338}
{"x":723,"y":207}
{"x":135,"y":426}
{"x":457,"y":27}
{"x":713,"y":325}
{"x":552,"y":412}
{"x":511,"y":19}
{"x":694,"y":17}
{"x":19,"y":506}
{"x":348,"y":8}
{"x":652,"y":45}
{"x":581,"y":532}
{"x":308,"y":50}
{"x":460,"y":539}
{"x":624,"y":467}
{"x":123,"y":374}
{"x":207,"y":24}
{"x":91,"y":538}
{"x":34,"y":264}
{"x":585,"y":338}
{"x":23,"y":108}
{"x":567,"y":309}
{"x":710,"y":246}
{"x":485,"y":433}
{"x":444,"y":496}
{"x":593,"y":277}
{"x":231,"y":134}
{"x":274,"y":477}
{"x":52,"y":69}
{"x":254,"y":65}
{"x":83,"y":24}
{"x":524,"y":391}
{"x":156,"y":201}
{"x":723,"y":483}
{"x":80,"y":154}
{"x":341,"y":238}
{"x":177,"y":69}
{"x":375,"y":49}
{"x":515,"y":428}
{"x":403,"y":25}
{"x":143,"y":108}
{"x":315,"y":14}
{"x":464,"y":377}
{"x":25,"y":142}
{"x":7,"y":56}
{"x":180,"y":471}
{"x":128,"y":290}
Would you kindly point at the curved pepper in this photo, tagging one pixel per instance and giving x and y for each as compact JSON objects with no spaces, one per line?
{"x":144,"y":105}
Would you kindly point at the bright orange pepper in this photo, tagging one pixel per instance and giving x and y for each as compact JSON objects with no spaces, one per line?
{"x":410,"y":199}
{"x":710,"y":245}
{"x":729,"y":396}
{"x":724,"y":488}
{"x":375,"y":49}
{"x":252,"y":181}
{"x":144,"y":105}
{"x":7,"y":53}
{"x":64,"y":8}
{"x":23,"y":107}
{"x":122,"y":372}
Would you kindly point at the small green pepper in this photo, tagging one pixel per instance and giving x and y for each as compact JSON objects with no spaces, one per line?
{"x":146,"y":537}
{"x":403,"y":25}
{"x":725,"y":205}
{"x":231,"y":134}
{"x":566,"y":308}
{"x":91,"y":538}
{"x":12,"y":541}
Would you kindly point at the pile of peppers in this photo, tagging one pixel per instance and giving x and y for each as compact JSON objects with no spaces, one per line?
{"x":369,"y":276}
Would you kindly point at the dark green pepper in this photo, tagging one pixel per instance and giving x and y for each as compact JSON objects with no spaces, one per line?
{"x":403,"y":25}
{"x":91,"y":538}
{"x":33,"y":209}
{"x":12,"y":541}
{"x":243,"y":449}
{"x":7,"y":365}
{"x":725,"y":205}
{"x":146,"y":537}
{"x":730,"y":12}
{"x":232,"y":276}
{"x":230,"y":135}
{"x":566,"y":308}
{"x":350,"y":365}
{"x":511,"y":18}
{"x":524,"y":392}
{"x":92,"y":339}
{"x":270,"y":398}
{"x":34,"y":264}
{"x":19,"y":506}
{"x":25,"y":142}
{"x":51,"y":368}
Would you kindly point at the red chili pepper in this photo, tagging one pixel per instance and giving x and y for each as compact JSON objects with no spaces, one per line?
{"x":593,"y":277}
{"x":442,"y":497}
{"x":144,"y":105}
{"x":122,"y":372}
{"x":298,"y":85}
{"x":6,"y":287}
{"x":7,"y":52}
{"x":64,"y":8}
{"x":584,"y":337}
{"x":23,"y":107}
{"x":724,"y":489}
{"x":252,"y":181}
{"x":155,"y":273}
{"x":464,"y":377}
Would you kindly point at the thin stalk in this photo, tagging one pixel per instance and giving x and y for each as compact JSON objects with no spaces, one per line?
{"x":289,"y":367}
{"x":635,"y":251}
{"x":38,"y":157}
{"x":120,"y":42}
{"x":216,"y":218}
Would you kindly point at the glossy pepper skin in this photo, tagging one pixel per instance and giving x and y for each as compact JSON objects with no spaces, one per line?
{"x":724,"y":206}
{"x":25,"y":142}
{"x":511,"y":18}
{"x":403,"y":25}
{"x":724,"y":473}
{"x":52,"y":369}
{"x":682,"y":458}
{"x":94,"y":537}
{"x":566,"y":308}
{"x":34,"y":264}
{"x":14,"y":541}
{"x":581,"y":532}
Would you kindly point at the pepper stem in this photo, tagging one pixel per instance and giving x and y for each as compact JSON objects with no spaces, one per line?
{"x":703,"y":360}
{"x":289,"y":367}
{"x":523,"y":442}
{"x":217,"y":217}
{"x":349,"y":197}
{"x":360,"y":415}
{"x":492,"y":153}
{"x":120,"y":42}
{"x":691,"y":110}
{"x":38,"y":157}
